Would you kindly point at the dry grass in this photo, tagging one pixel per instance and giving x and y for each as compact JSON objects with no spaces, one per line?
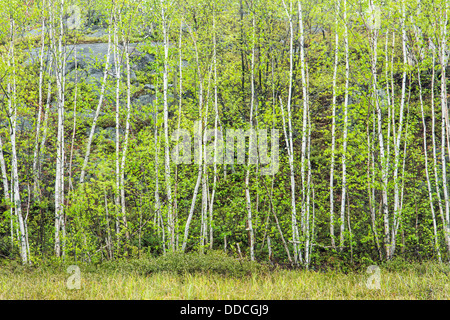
{"x":42,"y":284}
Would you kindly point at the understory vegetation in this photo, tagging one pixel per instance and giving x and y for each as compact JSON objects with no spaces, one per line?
{"x":216,"y":276}
{"x":338,"y":157}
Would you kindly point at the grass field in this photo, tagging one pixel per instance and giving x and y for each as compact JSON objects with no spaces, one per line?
{"x":131,"y":281}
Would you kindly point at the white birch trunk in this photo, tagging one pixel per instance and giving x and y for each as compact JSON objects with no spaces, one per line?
{"x":99,"y":105}
{"x":40,"y":106}
{"x":333,"y":127}
{"x":4,"y":174}
{"x":247,"y":176}
{"x":430,"y":192}
{"x":125,"y":147}
{"x":170,"y":222}
{"x":433,"y":137}
{"x":445,"y":121}
{"x":74,"y":128}
{"x":158,"y":214}
{"x":12,"y":105}
{"x":198,"y":141}
{"x":344,"y":146}
{"x":118,"y":76}
{"x":216,"y":119}
{"x":305,"y":117}
{"x":397,"y":140}
{"x":59,"y":179}
{"x":384,"y":165}
{"x":289,"y":140}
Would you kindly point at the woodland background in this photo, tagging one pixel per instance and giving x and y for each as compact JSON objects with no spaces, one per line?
{"x":91,"y":91}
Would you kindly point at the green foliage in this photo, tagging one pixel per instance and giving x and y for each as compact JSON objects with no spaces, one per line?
{"x":95,"y":227}
{"x":213,"y":262}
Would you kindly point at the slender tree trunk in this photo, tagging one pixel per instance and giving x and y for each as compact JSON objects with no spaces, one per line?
{"x":333,"y":128}
{"x":40,"y":106}
{"x":4,"y":174}
{"x":198,"y":141}
{"x":286,"y":248}
{"x":430,"y":192}
{"x":397,"y":139}
{"x":433,"y":137}
{"x":384,"y":165}
{"x":308,"y":200}
{"x":247,"y":176}
{"x":12,"y":103}
{"x":126,"y":138}
{"x":216,"y":119}
{"x":205,"y":188}
{"x":46,"y":115}
{"x":288,"y":136}
{"x":180,"y":99}
{"x":305,"y":117}
{"x":158,"y":214}
{"x":99,"y":105}
{"x":59,"y":180}
{"x":445,"y":121}
{"x":170,"y":222}
{"x":108,"y":239}
{"x":118,"y":75}
{"x":344,"y":146}
{"x":74,"y":128}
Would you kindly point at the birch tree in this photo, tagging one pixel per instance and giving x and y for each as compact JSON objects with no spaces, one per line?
{"x":443,"y":60}
{"x":247,"y":176}
{"x":12,"y":115}
{"x":430,"y":191}
{"x":59,"y":179}
{"x":289,"y":141}
{"x":125,"y":40}
{"x":333,"y":123}
{"x":100,"y":102}
{"x":303,"y":161}
{"x":216,"y":133}
{"x":397,"y":140}
{"x":345,"y":133}
{"x":40,"y":103}
{"x":197,"y":140}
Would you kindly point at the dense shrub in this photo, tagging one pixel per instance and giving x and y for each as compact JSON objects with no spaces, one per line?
{"x":212,"y":262}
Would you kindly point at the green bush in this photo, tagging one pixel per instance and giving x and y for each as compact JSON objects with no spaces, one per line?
{"x":212,"y":262}
{"x":398,"y":264}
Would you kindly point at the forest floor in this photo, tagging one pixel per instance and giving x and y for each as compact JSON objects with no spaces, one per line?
{"x":425,"y":281}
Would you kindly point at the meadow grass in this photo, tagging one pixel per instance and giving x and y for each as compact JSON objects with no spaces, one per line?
{"x":427,"y":281}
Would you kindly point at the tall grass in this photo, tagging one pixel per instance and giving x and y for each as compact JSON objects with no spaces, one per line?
{"x":195,"y":279}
